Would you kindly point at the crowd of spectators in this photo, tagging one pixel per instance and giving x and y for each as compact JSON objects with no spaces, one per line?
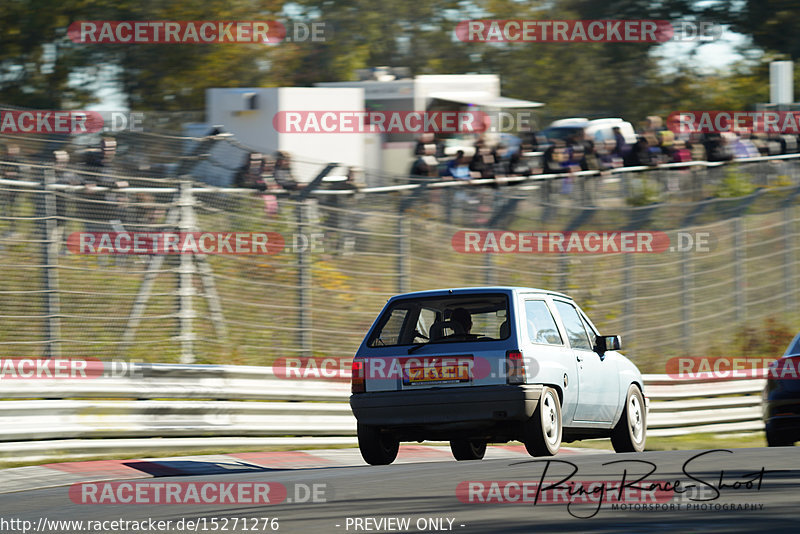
{"x":100,"y":203}
{"x":535,"y":154}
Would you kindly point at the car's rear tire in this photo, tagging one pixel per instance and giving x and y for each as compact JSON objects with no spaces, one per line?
{"x":468,"y":449}
{"x":377,"y":448}
{"x":630,"y":433}
{"x":776,"y":438}
{"x":541,"y":434}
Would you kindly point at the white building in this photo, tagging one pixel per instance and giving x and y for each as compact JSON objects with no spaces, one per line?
{"x":422,"y":93}
{"x":248,"y":113}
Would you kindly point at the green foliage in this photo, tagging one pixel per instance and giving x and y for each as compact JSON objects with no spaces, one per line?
{"x":771,"y":24}
{"x":734,"y":184}
{"x":768,"y":341}
{"x":646,"y":193}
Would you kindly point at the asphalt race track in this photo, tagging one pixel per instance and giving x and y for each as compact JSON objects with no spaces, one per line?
{"x":741,"y":490}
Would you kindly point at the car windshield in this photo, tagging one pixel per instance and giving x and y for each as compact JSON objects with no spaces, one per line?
{"x":561,"y":132}
{"x":451,"y":318}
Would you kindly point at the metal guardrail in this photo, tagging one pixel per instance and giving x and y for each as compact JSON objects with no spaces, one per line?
{"x":681,"y":407}
{"x":168,"y":407}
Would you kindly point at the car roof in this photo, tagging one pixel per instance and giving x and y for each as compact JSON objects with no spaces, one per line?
{"x":480,"y":289}
{"x":572,"y":122}
{"x":606,"y":121}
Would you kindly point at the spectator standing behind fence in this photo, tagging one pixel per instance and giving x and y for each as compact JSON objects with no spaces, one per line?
{"x":717,"y":149}
{"x":696,"y":147}
{"x":426,"y":166}
{"x":256,"y":174}
{"x":283,"y":172}
{"x":607,"y":158}
{"x":621,"y":147}
{"x":639,"y":154}
{"x":64,"y":176}
{"x":483,"y":161}
{"x":742,"y":146}
{"x":268,"y":186}
{"x":344,"y":217}
{"x":250,"y":174}
{"x":680,"y":153}
{"x":517,"y":166}
{"x":654,"y":148}
{"x":555,"y":156}
{"x":458,"y":168}
{"x":100,"y":208}
{"x":423,"y":143}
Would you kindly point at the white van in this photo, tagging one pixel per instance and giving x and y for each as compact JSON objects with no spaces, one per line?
{"x":598,"y":130}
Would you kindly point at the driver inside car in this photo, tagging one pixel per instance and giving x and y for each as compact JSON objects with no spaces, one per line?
{"x":463,"y":317}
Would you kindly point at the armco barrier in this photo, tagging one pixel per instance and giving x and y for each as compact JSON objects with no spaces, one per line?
{"x":165,"y":407}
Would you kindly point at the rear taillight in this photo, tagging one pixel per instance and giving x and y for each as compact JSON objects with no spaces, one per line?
{"x":515,"y":367}
{"x":357,"y":383}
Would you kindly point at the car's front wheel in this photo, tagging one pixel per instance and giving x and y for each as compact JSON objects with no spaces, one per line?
{"x":542,"y":432}
{"x":467,"y":449}
{"x":377,"y":448}
{"x":631,"y":431}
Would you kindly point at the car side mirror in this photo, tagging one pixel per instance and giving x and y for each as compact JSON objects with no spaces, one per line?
{"x":602,"y":344}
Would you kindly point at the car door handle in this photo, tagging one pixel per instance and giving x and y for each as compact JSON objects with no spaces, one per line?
{"x":578,"y":357}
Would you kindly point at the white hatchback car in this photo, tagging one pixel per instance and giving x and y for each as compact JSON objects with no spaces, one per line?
{"x":493,"y":364}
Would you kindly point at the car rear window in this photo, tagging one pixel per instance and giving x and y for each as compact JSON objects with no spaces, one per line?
{"x":452,"y":318}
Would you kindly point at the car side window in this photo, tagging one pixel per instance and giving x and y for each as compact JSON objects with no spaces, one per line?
{"x":541,"y":325}
{"x":578,"y":339}
{"x":588,"y":325}
{"x":389,"y":333}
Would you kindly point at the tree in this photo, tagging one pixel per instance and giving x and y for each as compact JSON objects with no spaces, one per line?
{"x":36,"y":58}
{"x":773,"y":25}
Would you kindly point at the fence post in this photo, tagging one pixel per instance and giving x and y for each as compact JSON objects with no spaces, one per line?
{"x":628,"y":287}
{"x":403,"y":253}
{"x":303,"y":283}
{"x":738,"y":268}
{"x":687,"y":289}
{"x":563,"y":268}
{"x":46,"y":202}
{"x":488,"y":268}
{"x":788,"y":259}
{"x":185,"y":272}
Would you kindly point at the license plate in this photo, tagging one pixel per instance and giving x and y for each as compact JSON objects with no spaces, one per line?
{"x":451,"y":370}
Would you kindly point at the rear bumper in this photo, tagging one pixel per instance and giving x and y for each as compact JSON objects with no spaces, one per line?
{"x":476,"y":404}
